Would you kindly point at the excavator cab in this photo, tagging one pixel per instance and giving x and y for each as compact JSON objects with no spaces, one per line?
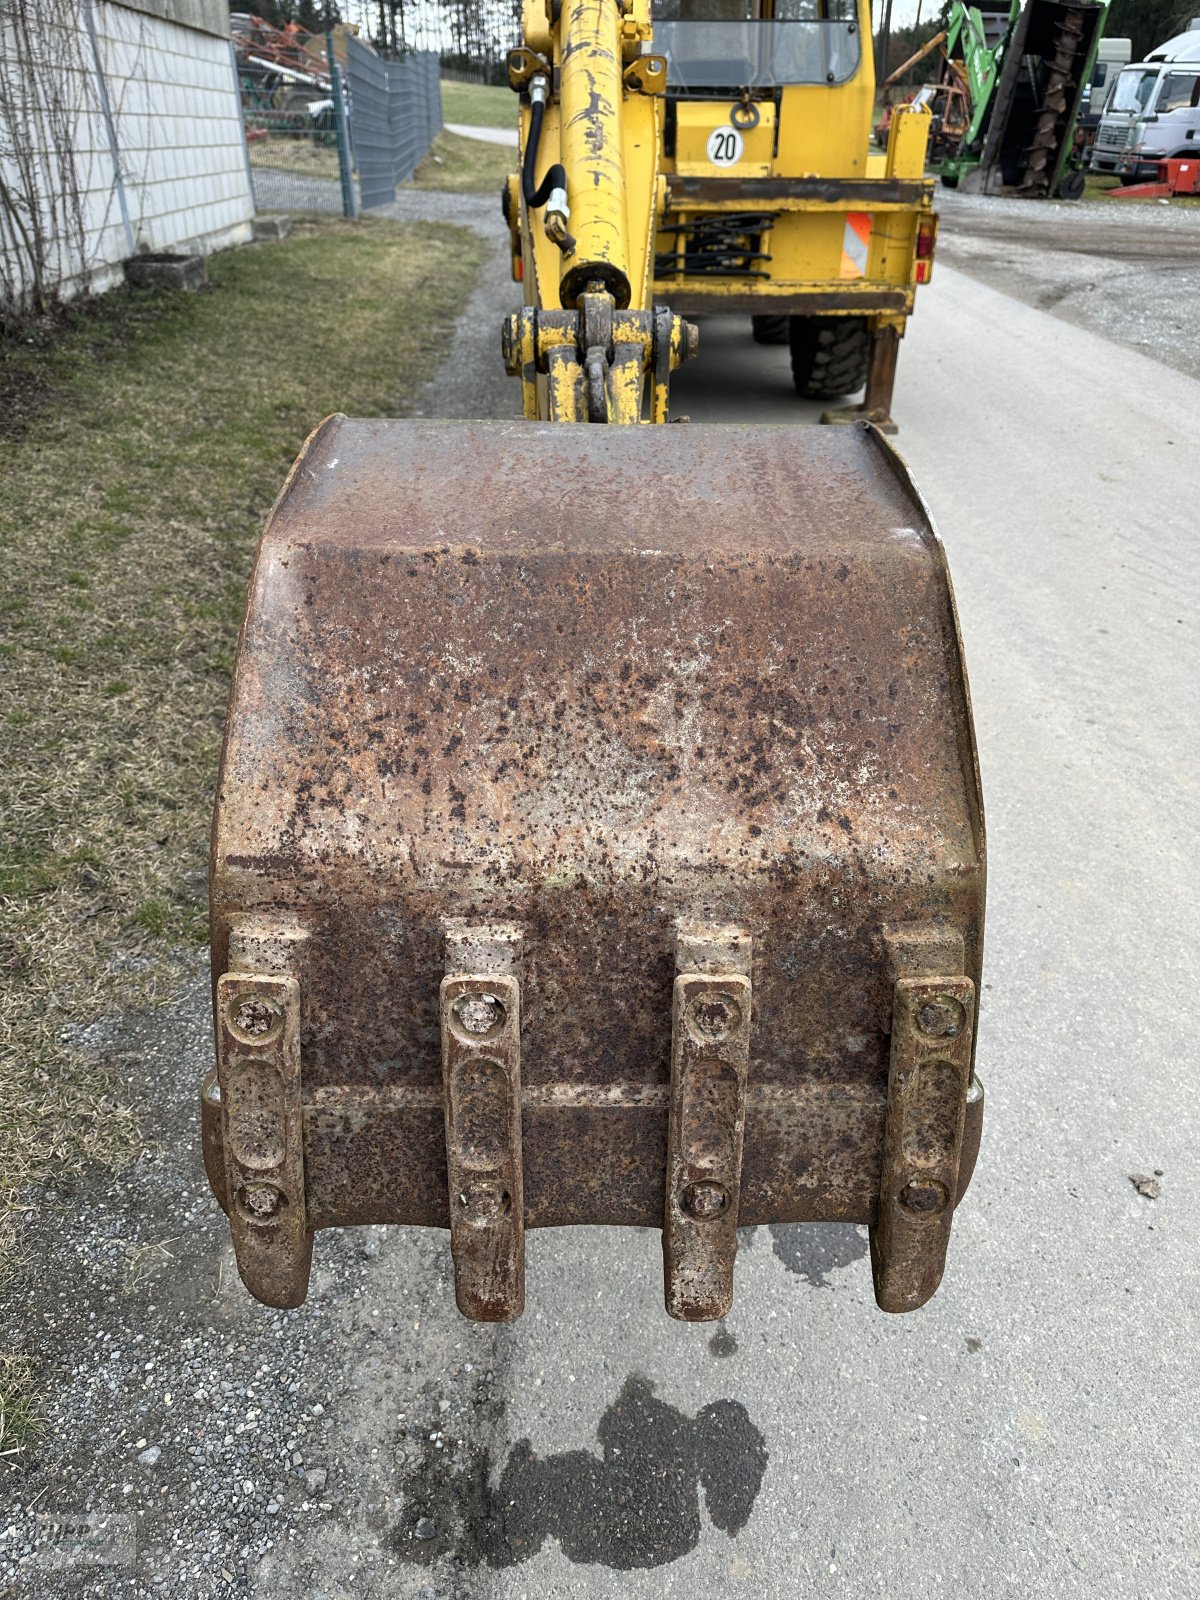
{"x":598,"y":836}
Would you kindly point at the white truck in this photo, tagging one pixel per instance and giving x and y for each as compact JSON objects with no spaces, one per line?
{"x":1111,"y":56}
{"x":1153,"y":112}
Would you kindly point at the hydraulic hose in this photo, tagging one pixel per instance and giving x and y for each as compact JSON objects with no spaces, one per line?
{"x":536,"y":194}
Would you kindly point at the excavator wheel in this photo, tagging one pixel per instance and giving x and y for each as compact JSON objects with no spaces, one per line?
{"x":770,"y":330}
{"x":829,"y":355}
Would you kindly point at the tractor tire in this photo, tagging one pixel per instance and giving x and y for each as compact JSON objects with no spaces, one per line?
{"x":829,"y":355}
{"x":1071,"y":185}
{"x":770,"y":330}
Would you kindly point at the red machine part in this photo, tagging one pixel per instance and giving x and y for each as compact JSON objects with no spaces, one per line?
{"x":1174,"y":177}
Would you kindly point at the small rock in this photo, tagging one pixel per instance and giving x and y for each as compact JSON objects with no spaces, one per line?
{"x":1146,"y":1186}
{"x":314,"y":1479}
{"x":149,"y":1457}
{"x":424,"y":1528}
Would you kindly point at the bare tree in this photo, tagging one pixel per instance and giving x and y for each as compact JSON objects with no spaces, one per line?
{"x":46,"y":95}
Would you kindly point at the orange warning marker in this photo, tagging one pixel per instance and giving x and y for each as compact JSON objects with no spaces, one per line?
{"x":856,"y":244}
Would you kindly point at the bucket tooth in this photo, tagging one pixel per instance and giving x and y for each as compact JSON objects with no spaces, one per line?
{"x":480,"y":1005}
{"x":928,"y":1085}
{"x":262,"y":1122}
{"x":710,"y":1053}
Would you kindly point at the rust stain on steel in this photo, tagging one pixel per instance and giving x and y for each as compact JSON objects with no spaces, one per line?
{"x":597,"y":684}
{"x":258,"y":1068}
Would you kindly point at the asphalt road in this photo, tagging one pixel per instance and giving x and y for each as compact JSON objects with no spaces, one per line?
{"x":1033,"y":1431}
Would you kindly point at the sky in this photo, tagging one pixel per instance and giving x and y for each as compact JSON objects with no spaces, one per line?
{"x":904,"y":12}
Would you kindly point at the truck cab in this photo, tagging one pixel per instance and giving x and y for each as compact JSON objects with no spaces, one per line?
{"x":1152,"y":113}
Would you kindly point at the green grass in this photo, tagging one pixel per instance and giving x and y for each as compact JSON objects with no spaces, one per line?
{"x":144,"y":439}
{"x":479,"y":105}
{"x":465,"y":166}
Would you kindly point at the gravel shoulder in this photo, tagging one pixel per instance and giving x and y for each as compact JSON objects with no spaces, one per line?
{"x":1129,"y":272}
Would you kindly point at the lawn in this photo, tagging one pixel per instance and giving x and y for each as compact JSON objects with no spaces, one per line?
{"x":142,"y":441}
{"x":465,"y":166}
{"x":479,"y":105}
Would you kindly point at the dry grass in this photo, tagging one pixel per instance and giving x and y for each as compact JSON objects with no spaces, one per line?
{"x":465,"y":166}
{"x":300,"y":154}
{"x":18,"y":1415}
{"x":154,"y":433}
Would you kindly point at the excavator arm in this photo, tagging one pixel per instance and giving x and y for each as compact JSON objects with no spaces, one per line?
{"x":589,"y":347}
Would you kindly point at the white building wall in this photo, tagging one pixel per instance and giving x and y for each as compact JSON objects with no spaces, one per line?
{"x":178,"y":126}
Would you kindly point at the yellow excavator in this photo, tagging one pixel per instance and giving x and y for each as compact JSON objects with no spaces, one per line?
{"x":598,"y":836}
{"x":748,"y":182}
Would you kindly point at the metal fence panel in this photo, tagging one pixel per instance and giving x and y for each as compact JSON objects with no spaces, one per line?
{"x":395,"y":111}
{"x":296,"y":160}
{"x":370,"y":129}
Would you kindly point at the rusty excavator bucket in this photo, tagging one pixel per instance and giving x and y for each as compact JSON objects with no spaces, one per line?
{"x":598,"y":840}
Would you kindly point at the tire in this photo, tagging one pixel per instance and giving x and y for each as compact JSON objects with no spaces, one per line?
{"x":829,"y":356}
{"x":1071,"y":185}
{"x":770,"y":330}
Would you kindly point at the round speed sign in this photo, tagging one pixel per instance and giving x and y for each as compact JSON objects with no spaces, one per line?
{"x":725,"y":146}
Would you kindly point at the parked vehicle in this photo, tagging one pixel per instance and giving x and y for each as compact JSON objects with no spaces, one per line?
{"x":1005,"y":103}
{"x":1111,"y":56}
{"x":599,"y":836}
{"x":1153,"y":112}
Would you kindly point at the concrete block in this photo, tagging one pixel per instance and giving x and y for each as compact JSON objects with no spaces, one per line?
{"x":163,"y":270}
{"x":272,"y":227}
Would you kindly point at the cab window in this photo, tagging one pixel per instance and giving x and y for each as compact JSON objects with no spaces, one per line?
{"x":719,"y":46}
{"x":1178,"y":92}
